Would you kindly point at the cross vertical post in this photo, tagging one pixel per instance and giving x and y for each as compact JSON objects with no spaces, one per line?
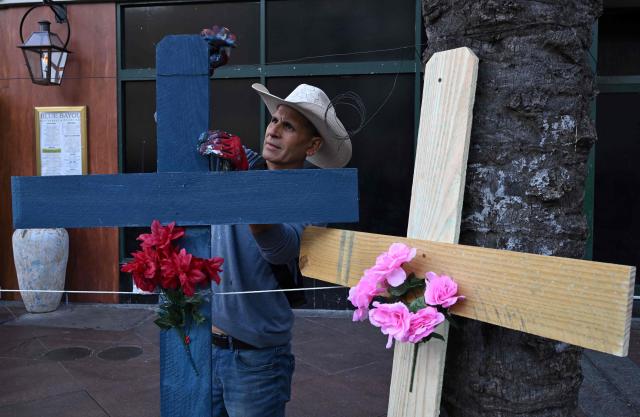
{"x":183,"y":108}
{"x":435,"y":212}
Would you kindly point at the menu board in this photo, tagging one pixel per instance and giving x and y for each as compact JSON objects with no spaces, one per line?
{"x":61,"y":140}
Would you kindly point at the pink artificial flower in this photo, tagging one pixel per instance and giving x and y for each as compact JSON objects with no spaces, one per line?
{"x":393,"y":319}
{"x":423,"y":323}
{"x":389,"y":263}
{"x":441,"y":290}
{"x":360,"y":314}
{"x":378,"y":276}
{"x":362,"y":294}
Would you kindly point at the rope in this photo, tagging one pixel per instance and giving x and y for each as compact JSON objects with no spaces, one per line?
{"x":155,"y":293}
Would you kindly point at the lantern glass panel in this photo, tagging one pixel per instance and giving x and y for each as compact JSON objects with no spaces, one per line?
{"x":56,"y":41}
{"x":34,"y":61}
{"x":38,"y":39}
{"x":45,"y":63}
{"x":58,"y":60}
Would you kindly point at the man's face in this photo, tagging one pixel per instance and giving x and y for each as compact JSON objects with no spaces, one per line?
{"x":288,"y":140}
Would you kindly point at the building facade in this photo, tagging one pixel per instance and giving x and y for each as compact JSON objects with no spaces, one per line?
{"x":373,"y":48}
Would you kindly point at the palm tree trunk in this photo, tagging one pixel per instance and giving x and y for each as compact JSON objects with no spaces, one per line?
{"x":525,"y":184}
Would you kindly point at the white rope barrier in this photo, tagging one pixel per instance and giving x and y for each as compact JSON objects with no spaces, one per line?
{"x":156,"y":293}
{"x":635,"y":297}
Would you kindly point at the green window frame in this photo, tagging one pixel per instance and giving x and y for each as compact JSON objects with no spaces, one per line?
{"x":264,"y":70}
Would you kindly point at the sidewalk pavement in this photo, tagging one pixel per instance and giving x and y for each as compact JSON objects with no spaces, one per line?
{"x":103,"y":360}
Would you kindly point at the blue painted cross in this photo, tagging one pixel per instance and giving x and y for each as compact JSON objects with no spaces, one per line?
{"x":183,"y":190}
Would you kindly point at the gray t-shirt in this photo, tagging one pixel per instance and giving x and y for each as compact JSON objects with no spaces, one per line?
{"x":263,"y":319}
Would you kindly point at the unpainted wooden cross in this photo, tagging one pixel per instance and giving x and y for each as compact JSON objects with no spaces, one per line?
{"x":578,"y":302}
{"x":183,"y":191}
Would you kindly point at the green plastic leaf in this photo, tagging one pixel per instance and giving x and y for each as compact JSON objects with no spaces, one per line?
{"x":175,"y":316}
{"x":195,"y":299}
{"x":436,"y":336}
{"x":163,"y":322}
{"x":198,"y":318}
{"x":398,"y":291}
{"x":411,"y":282}
{"x":417,"y":304}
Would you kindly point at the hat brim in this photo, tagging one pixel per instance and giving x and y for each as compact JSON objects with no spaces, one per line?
{"x":335,"y":151}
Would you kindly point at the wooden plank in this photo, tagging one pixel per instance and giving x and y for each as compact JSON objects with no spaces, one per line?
{"x":192,"y":198}
{"x":578,"y":302}
{"x":183,"y":104}
{"x":437,"y":194}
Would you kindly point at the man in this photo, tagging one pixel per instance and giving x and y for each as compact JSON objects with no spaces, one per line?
{"x":251,"y":360}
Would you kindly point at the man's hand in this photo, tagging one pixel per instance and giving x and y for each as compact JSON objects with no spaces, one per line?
{"x":224,"y":145}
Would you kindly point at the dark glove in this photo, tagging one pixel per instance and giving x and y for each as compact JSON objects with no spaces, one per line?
{"x":224,"y":146}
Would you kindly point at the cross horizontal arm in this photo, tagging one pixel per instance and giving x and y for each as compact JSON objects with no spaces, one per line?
{"x":578,"y":302}
{"x":192,"y":198}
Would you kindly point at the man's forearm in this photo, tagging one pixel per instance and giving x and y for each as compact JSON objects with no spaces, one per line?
{"x":278,"y":243}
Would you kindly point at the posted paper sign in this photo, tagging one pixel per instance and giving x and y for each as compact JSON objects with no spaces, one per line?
{"x":61,"y":140}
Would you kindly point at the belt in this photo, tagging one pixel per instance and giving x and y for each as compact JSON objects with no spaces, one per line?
{"x":227,"y":342}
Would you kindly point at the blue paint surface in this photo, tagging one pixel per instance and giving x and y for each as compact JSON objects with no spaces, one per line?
{"x":182,"y":392}
{"x":183,"y":105}
{"x":192,"y":198}
{"x":182,"y":102}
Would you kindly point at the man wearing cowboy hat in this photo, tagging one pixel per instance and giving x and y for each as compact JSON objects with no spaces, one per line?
{"x":251,"y":358}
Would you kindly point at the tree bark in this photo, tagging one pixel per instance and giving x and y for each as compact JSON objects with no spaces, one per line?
{"x":525,"y":184}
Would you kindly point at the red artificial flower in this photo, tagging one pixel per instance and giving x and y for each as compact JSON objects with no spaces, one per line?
{"x":152,"y":261}
{"x":169,"y":275}
{"x":160,"y":263}
{"x":136,"y":267}
{"x":145,"y":269}
{"x":212,"y":268}
{"x":161,"y":236}
{"x":189,"y":273}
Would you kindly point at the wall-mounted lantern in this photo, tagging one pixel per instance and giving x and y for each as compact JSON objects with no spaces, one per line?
{"x":44,"y":53}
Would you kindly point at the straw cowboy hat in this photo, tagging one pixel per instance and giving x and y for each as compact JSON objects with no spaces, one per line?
{"x":314,"y":104}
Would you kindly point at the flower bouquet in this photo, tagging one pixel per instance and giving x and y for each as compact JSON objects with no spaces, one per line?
{"x":178,"y":274}
{"x":407,"y":308}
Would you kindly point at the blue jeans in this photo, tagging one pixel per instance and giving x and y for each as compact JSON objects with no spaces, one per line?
{"x":251,"y":382}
